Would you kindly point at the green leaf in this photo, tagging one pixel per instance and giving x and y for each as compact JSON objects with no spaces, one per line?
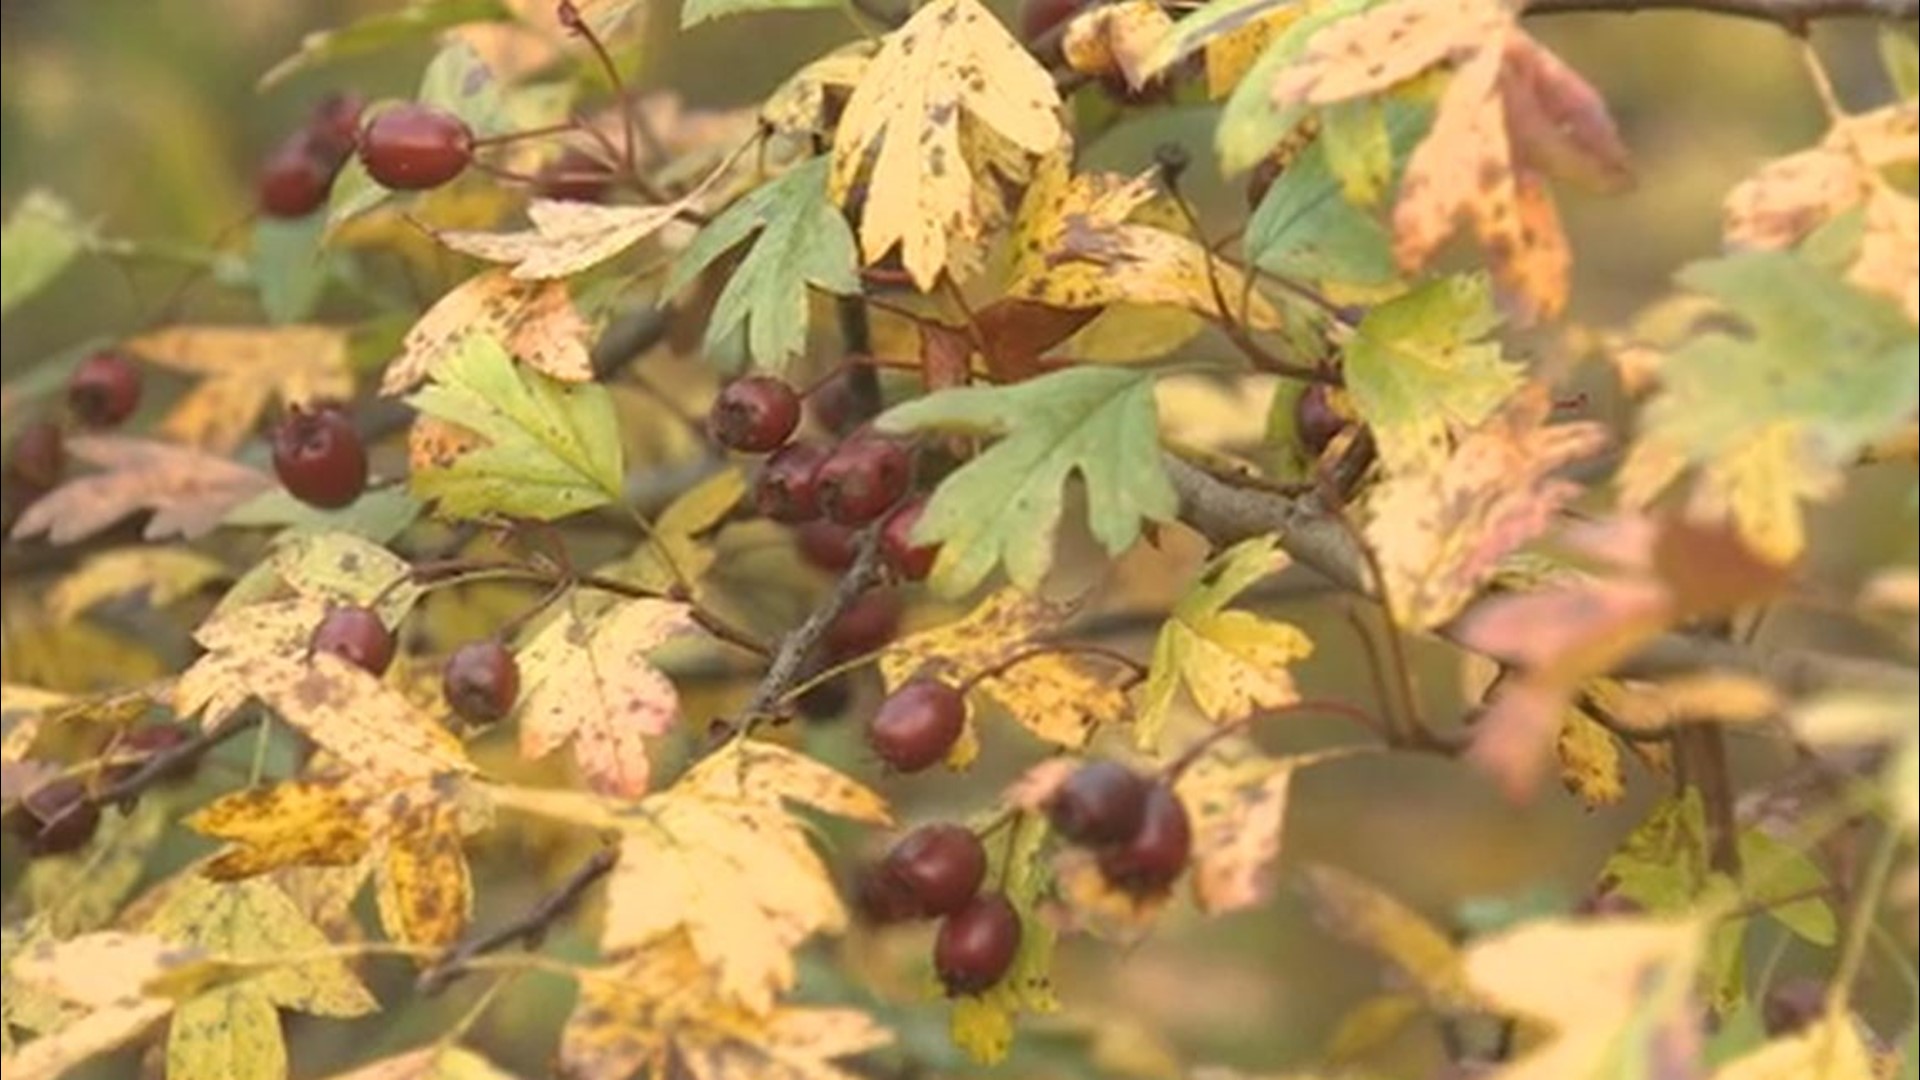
{"x":458,"y":81}
{"x":554,"y":447}
{"x":1306,"y":227}
{"x":803,"y":240}
{"x":416,"y":21}
{"x":1662,"y":864}
{"x":1359,"y":149}
{"x":354,"y":193}
{"x":1424,"y":361}
{"x":1005,"y":504}
{"x":1741,"y":1032}
{"x":288,"y":269}
{"x":1901,"y":57}
{"x":41,"y":237}
{"x":1778,"y":872}
{"x":379,"y":514}
{"x":1910,"y":1055}
{"x":982,"y":1025}
{"x":1212,"y":20}
{"x":699,"y":11}
{"x":1251,"y":124}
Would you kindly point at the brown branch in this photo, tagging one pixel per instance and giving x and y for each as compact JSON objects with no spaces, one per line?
{"x":527,"y":930}
{"x":160,"y":768}
{"x":1792,"y":14}
{"x":790,"y":658}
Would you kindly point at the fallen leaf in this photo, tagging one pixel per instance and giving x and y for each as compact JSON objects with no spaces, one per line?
{"x":245,"y":368}
{"x":535,"y":321}
{"x":187,"y":491}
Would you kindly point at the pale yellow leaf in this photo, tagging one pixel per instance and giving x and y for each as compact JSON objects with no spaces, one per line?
{"x":54,"y":1055}
{"x":245,"y":369}
{"x":1830,"y":1049}
{"x":1117,"y":38}
{"x":436,"y":1062}
{"x":1361,"y":913}
{"x":165,"y":574}
{"x":188,"y":491}
{"x":536,"y":321}
{"x":569,"y":237}
{"x":1387,"y":45}
{"x":1239,"y":812}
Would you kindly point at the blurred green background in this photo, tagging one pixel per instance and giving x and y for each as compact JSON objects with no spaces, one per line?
{"x":144,"y":114}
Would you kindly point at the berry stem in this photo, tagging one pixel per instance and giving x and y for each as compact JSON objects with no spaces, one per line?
{"x":527,"y":929}
{"x":790,"y":658}
{"x":571,"y":18}
{"x":1212,"y":738}
{"x":524,"y":134}
{"x":158,"y":768}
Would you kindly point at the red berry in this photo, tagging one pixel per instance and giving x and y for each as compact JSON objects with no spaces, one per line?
{"x":881,"y":900}
{"x":1101,"y":802}
{"x":481,"y":682}
{"x":149,"y":742}
{"x":754,"y":414}
{"x":867,"y":624}
{"x":785,"y":490}
{"x":576,"y":176}
{"x":412,"y":147}
{"x":39,"y":455}
{"x":1150,"y":862}
{"x":976,"y":945}
{"x":294,"y":180}
{"x":907,"y":559}
{"x":104,"y":389}
{"x":356,"y":635}
{"x":334,"y":126}
{"x":57,"y":817}
{"x":1315,"y":420}
{"x":836,"y":402}
{"x":318,"y":456}
{"x":862,"y":478}
{"x":1793,"y":1004}
{"x":917,"y":724}
{"x":940,"y":866}
{"x":826,"y":545}
{"x":1039,"y":18}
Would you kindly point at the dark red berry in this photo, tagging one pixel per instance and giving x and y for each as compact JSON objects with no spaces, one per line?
{"x":294,"y":180}
{"x":867,"y":624}
{"x":576,"y":176}
{"x":104,"y":389}
{"x":334,"y":127}
{"x":862,"y":479}
{"x":754,"y":414}
{"x":1150,"y":862}
{"x":879,"y":899}
{"x":917,"y":724}
{"x":941,"y":867}
{"x":481,"y":682}
{"x":837,"y":403}
{"x":1793,"y":1004}
{"x":785,"y":490}
{"x":826,"y":545}
{"x":57,"y":817}
{"x":144,"y":743}
{"x":826,"y":700}
{"x":1041,"y":18}
{"x":1101,"y":802}
{"x":976,"y":945}
{"x":39,"y":455}
{"x":356,"y":635}
{"x":318,"y":456}
{"x":907,"y":559}
{"x":412,"y":147}
{"x":1315,"y":420}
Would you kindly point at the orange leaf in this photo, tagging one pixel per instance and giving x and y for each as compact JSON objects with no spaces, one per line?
{"x":536,"y":321}
{"x":1559,"y":122}
{"x":245,"y":368}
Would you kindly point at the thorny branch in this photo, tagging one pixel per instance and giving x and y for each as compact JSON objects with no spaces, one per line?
{"x":527,"y":929}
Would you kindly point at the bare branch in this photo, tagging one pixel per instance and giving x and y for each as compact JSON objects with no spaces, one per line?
{"x":528,"y":929}
{"x":1792,"y":14}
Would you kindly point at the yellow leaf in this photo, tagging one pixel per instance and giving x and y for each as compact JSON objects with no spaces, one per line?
{"x":188,"y":491}
{"x":1232,"y":663}
{"x":1116,"y":39}
{"x":71,"y":896}
{"x":246,"y":367}
{"x":1075,"y":247}
{"x":674,"y":554}
{"x":1830,"y":1049}
{"x":1238,"y":805}
{"x":902,"y":131}
{"x":101,"y":969}
{"x":165,"y":573}
{"x":1057,"y":697}
{"x":77,"y":657}
{"x":1792,"y":196}
{"x":1231,"y":55}
{"x":53,"y":1055}
{"x":435,"y":1062}
{"x":590,"y":683}
{"x":569,"y":237}
{"x":423,"y":887}
{"x":1369,"y":1025}
{"x":293,"y":823}
{"x":1618,"y":992}
{"x":801,"y":104}
{"x":1357,"y":911}
{"x":254,"y":923}
{"x":1759,"y":486}
{"x":536,"y":321}
{"x":1590,"y":764}
{"x":1886,"y":263}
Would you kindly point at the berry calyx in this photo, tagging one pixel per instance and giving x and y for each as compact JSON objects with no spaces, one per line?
{"x":481,"y":681}
{"x":357,"y":635}
{"x":412,"y":147}
{"x":917,"y":724}
{"x":57,"y":817}
{"x":1154,"y":858}
{"x":868,"y":623}
{"x":940,"y":866}
{"x":104,"y":389}
{"x":294,"y":180}
{"x":976,"y":945}
{"x":142,"y":744}
{"x":862,"y":478}
{"x":1315,"y":419}
{"x":575,"y":176}
{"x":1101,"y":802}
{"x":317,"y":454}
{"x":826,"y":545}
{"x":39,"y":455}
{"x":785,"y":490}
{"x":754,"y":414}
{"x":908,"y":560}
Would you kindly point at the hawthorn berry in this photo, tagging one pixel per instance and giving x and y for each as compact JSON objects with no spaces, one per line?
{"x":481,"y":681}
{"x":910,"y":561}
{"x":357,"y":635}
{"x":941,"y":867}
{"x":866,"y":624}
{"x":754,"y":414}
{"x":880,"y":899}
{"x":39,"y":455}
{"x":57,"y":817}
{"x":334,"y":127}
{"x":1041,"y":18}
{"x":862,"y":478}
{"x":104,"y":390}
{"x":294,"y":180}
{"x":412,"y":146}
{"x":824,"y":544}
{"x":575,"y":176}
{"x":149,"y":742}
{"x":1315,"y":420}
{"x":1101,"y":802}
{"x":317,"y":454}
{"x":837,"y":403}
{"x":976,"y":945}
{"x":917,"y":724}
{"x":1154,"y":858}
{"x":785,"y":490}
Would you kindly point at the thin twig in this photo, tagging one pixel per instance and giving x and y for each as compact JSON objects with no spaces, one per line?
{"x":157,"y":769}
{"x":790,"y":658}
{"x":1794,"y":15}
{"x":527,"y":930}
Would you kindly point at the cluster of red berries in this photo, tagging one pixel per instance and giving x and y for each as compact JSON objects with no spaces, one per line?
{"x":61,"y":815}
{"x":480,"y":682}
{"x":297,"y":175}
{"x":1136,"y":826}
{"x":102,"y":392}
{"x":935,"y":872}
{"x":407,"y":147}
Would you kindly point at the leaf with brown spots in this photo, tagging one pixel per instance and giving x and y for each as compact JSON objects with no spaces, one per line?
{"x":245,"y":369}
{"x":902,"y":132}
{"x":293,"y":823}
{"x":1590,"y":766}
{"x":422,"y":885}
{"x":1238,"y":802}
{"x":1116,"y":39}
{"x":536,"y":321}
{"x":1233,"y":34}
{"x":187,"y":491}
{"x":84,"y":996}
{"x":1058,"y":697}
{"x":570,"y":237}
